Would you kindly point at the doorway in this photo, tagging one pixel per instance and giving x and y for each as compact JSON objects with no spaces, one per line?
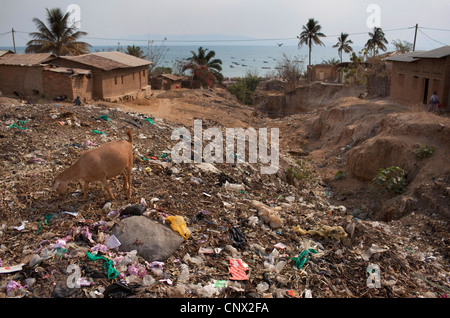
{"x":426,"y":82}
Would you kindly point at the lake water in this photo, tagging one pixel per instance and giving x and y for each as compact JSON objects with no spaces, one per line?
{"x":238,"y":60}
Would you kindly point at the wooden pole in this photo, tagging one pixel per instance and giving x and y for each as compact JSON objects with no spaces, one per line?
{"x":415,"y":36}
{"x":14,"y":42}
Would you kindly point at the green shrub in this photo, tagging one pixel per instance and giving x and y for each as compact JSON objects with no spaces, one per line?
{"x":339,"y":175}
{"x":425,"y":151}
{"x":392,"y":179}
{"x":244,"y":88}
{"x":302,"y":172}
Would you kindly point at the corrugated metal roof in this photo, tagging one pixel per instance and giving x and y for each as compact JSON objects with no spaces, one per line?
{"x":173,"y":77}
{"x":26,"y":59}
{"x":436,"y":53}
{"x":108,"y":61}
{"x":3,"y":52}
{"x":405,"y":57}
{"x":416,"y":55}
{"x":68,"y":70}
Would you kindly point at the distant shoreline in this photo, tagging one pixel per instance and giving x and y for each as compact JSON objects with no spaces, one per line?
{"x":237,"y":60}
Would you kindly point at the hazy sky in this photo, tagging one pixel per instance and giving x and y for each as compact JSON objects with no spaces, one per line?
{"x":249,"y":18}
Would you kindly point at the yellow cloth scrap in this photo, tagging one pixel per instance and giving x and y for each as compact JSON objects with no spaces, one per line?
{"x":335,"y":232}
{"x":178,"y":224}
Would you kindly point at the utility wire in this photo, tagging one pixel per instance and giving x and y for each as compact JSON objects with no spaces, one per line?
{"x":431,"y":38}
{"x":247,"y":40}
{"x":434,"y":29}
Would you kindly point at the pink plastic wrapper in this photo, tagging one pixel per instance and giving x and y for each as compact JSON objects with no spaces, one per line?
{"x":13,"y":286}
{"x":137,"y":270}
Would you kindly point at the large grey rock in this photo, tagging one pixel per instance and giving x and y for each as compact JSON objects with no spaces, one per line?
{"x":153,"y":241}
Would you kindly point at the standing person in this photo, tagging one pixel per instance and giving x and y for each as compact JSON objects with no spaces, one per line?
{"x":434,"y":102}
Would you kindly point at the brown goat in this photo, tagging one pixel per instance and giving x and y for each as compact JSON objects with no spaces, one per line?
{"x":101,"y":164}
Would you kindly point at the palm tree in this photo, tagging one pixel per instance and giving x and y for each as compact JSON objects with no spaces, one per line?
{"x":57,"y":36}
{"x":311,"y":34}
{"x":205,"y":58}
{"x":376,"y":41}
{"x":135,"y":51}
{"x":343,"y":44}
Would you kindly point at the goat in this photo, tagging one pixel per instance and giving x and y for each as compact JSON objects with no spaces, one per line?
{"x":100,"y":164}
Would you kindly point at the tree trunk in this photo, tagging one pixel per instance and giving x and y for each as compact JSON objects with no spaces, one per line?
{"x":309,"y":52}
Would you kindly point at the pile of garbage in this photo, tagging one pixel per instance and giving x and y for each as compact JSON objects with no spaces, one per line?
{"x":190,"y":230}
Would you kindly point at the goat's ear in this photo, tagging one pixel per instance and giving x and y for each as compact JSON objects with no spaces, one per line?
{"x":55,"y":186}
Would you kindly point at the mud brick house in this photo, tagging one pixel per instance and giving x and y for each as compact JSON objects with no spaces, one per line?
{"x":322,"y":73}
{"x":116,"y":75}
{"x":29,"y":75}
{"x":21,"y":74}
{"x":169,"y":81}
{"x":416,"y":75}
{"x":67,"y":83}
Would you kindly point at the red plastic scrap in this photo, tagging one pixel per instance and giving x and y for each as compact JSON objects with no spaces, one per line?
{"x":237,"y":269}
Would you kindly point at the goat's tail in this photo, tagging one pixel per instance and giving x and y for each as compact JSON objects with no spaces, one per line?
{"x":130,"y":136}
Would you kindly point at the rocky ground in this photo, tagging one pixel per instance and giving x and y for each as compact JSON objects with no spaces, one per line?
{"x":274,"y":236}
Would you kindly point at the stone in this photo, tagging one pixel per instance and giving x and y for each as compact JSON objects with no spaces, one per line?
{"x":153,"y":241}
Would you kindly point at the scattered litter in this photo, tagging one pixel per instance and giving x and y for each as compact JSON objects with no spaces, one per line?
{"x":335,"y":232}
{"x":237,"y":269}
{"x":11,"y":269}
{"x":20,"y":227}
{"x":294,"y":242}
{"x":303,"y":258}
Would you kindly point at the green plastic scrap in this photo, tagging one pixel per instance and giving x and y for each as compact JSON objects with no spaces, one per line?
{"x":21,"y":123}
{"x":45,"y":221}
{"x":98,"y":132}
{"x":112,"y":272}
{"x":303,"y":258}
{"x":105,"y":117}
{"x":149,"y":120}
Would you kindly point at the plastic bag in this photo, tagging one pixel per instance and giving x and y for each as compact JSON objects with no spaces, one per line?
{"x":178,"y":224}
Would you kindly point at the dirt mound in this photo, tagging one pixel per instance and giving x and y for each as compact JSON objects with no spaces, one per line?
{"x":360,"y":137}
{"x":182,"y":106}
{"x":398,"y":143}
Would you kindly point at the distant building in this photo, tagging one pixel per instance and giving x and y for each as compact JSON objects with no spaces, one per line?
{"x":416,"y":75}
{"x":116,"y":75}
{"x":323,"y":73}
{"x":106,"y":75}
{"x":169,"y":81}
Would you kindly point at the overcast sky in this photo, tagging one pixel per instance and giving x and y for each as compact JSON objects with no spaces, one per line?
{"x":261,"y":19}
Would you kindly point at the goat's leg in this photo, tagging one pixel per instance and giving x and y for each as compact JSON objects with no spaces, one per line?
{"x":129,"y":182}
{"x":85,"y":189}
{"x":107,"y":188}
{"x":126,"y":182}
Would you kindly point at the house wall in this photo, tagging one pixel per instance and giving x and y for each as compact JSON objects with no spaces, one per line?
{"x":114,"y":83}
{"x":168,"y":84}
{"x":121,"y":82}
{"x":322,"y":73}
{"x":25,"y":80}
{"x":415,"y":82}
{"x":58,"y":84}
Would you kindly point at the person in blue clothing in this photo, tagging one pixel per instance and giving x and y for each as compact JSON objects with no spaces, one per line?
{"x":434,"y":102}
{"x":77,"y":101}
